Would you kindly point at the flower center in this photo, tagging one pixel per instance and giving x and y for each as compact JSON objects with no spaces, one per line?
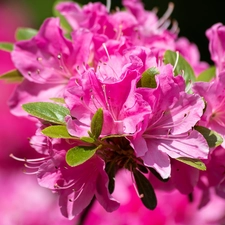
{"x":117,"y":150}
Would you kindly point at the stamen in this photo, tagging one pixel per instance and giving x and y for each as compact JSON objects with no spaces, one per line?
{"x":166,"y":15}
{"x":108,"y":5}
{"x":79,"y":193}
{"x":38,"y":160}
{"x":84,"y":66}
{"x":165,"y":25}
{"x":175,"y":28}
{"x":31,"y":167}
{"x":167,"y":137}
{"x":155,"y":10}
{"x":120,"y":33}
{"x":62,"y":66}
{"x":30,"y":173}
{"x":177,"y":58}
{"x":107,"y":53}
{"x":107,"y":103}
{"x":56,"y":186}
{"x":170,"y":125}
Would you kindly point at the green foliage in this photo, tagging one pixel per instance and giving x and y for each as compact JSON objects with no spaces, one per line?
{"x":196,"y":163}
{"x":114,"y":136}
{"x":207,"y":75}
{"x":58,"y":100}
{"x":63,"y":20}
{"x":47,"y":111}
{"x":97,"y":123}
{"x":80,"y":154}
{"x":5,"y":46}
{"x":145,"y":190}
{"x":212,"y":137}
{"x":12,"y":76}
{"x":25,"y":33}
{"x":148,"y":78}
{"x":111,"y":171}
{"x":182,"y":67}
{"x":87,"y":139}
{"x":56,"y":131}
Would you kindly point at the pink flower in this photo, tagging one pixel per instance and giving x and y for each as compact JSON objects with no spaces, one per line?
{"x":214,"y":95}
{"x":122,"y":109}
{"x":213,"y":177}
{"x":23,"y":204}
{"x":216,"y":36}
{"x":183,"y":178}
{"x":47,"y":61}
{"x":76,"y":186}
{"x":173,"y":208}
{"x":167,"y":132}
{"x":92,"y":16}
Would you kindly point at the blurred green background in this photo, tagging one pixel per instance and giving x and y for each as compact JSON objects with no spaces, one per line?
{"x":193,"y":16}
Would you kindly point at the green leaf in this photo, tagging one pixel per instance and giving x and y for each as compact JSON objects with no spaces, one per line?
{"x":212,"y":137}
{"x":87,"y":139}
{"x":148,"y":78}
{"x":97,"y":123}
{"x":207,"y":74}
{"x":5,"y":46}
{"x":58,"y":100}
{"x":114,"y":136}
{"x":145,"y":190}
{"x":12,"y":76}
{"x":80,"y":154}
{"x":111,"y":171}
{"x":47,"y":111}
{"x":182,"y":67}
{"x":196,"y":163}
{"x":57,"y":131}
{"x":63,"y":20}
{"x":25,"y":33}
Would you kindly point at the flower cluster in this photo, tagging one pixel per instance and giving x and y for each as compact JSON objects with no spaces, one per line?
{"x":113,"y":91}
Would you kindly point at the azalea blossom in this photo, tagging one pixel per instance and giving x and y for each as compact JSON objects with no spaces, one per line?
{"x":168,"y":131}
{"x":75,"y":186}
{"x":216,"y":36}
{"x":122,"y":110}
{"x":214,"y":96}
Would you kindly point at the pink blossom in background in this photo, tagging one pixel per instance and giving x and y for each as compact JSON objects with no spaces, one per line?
{"x":23,"y":204}
{"x":216,"y":36}
{"x":20,"y":204}
{"x":214,"y":95}
{"x":173,"y":208}
{"x":10,"y":143}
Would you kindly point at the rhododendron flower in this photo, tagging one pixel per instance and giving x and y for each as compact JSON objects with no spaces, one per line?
{"x":216,"y":36}
{"x":76,"y":186}
{"x":47,"y":61}
{"x":214,"y":95}
{"x":168,"y":131}
{"x":122,"y":109}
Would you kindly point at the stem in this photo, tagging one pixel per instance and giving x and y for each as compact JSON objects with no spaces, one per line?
{"x":84,"y":214}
